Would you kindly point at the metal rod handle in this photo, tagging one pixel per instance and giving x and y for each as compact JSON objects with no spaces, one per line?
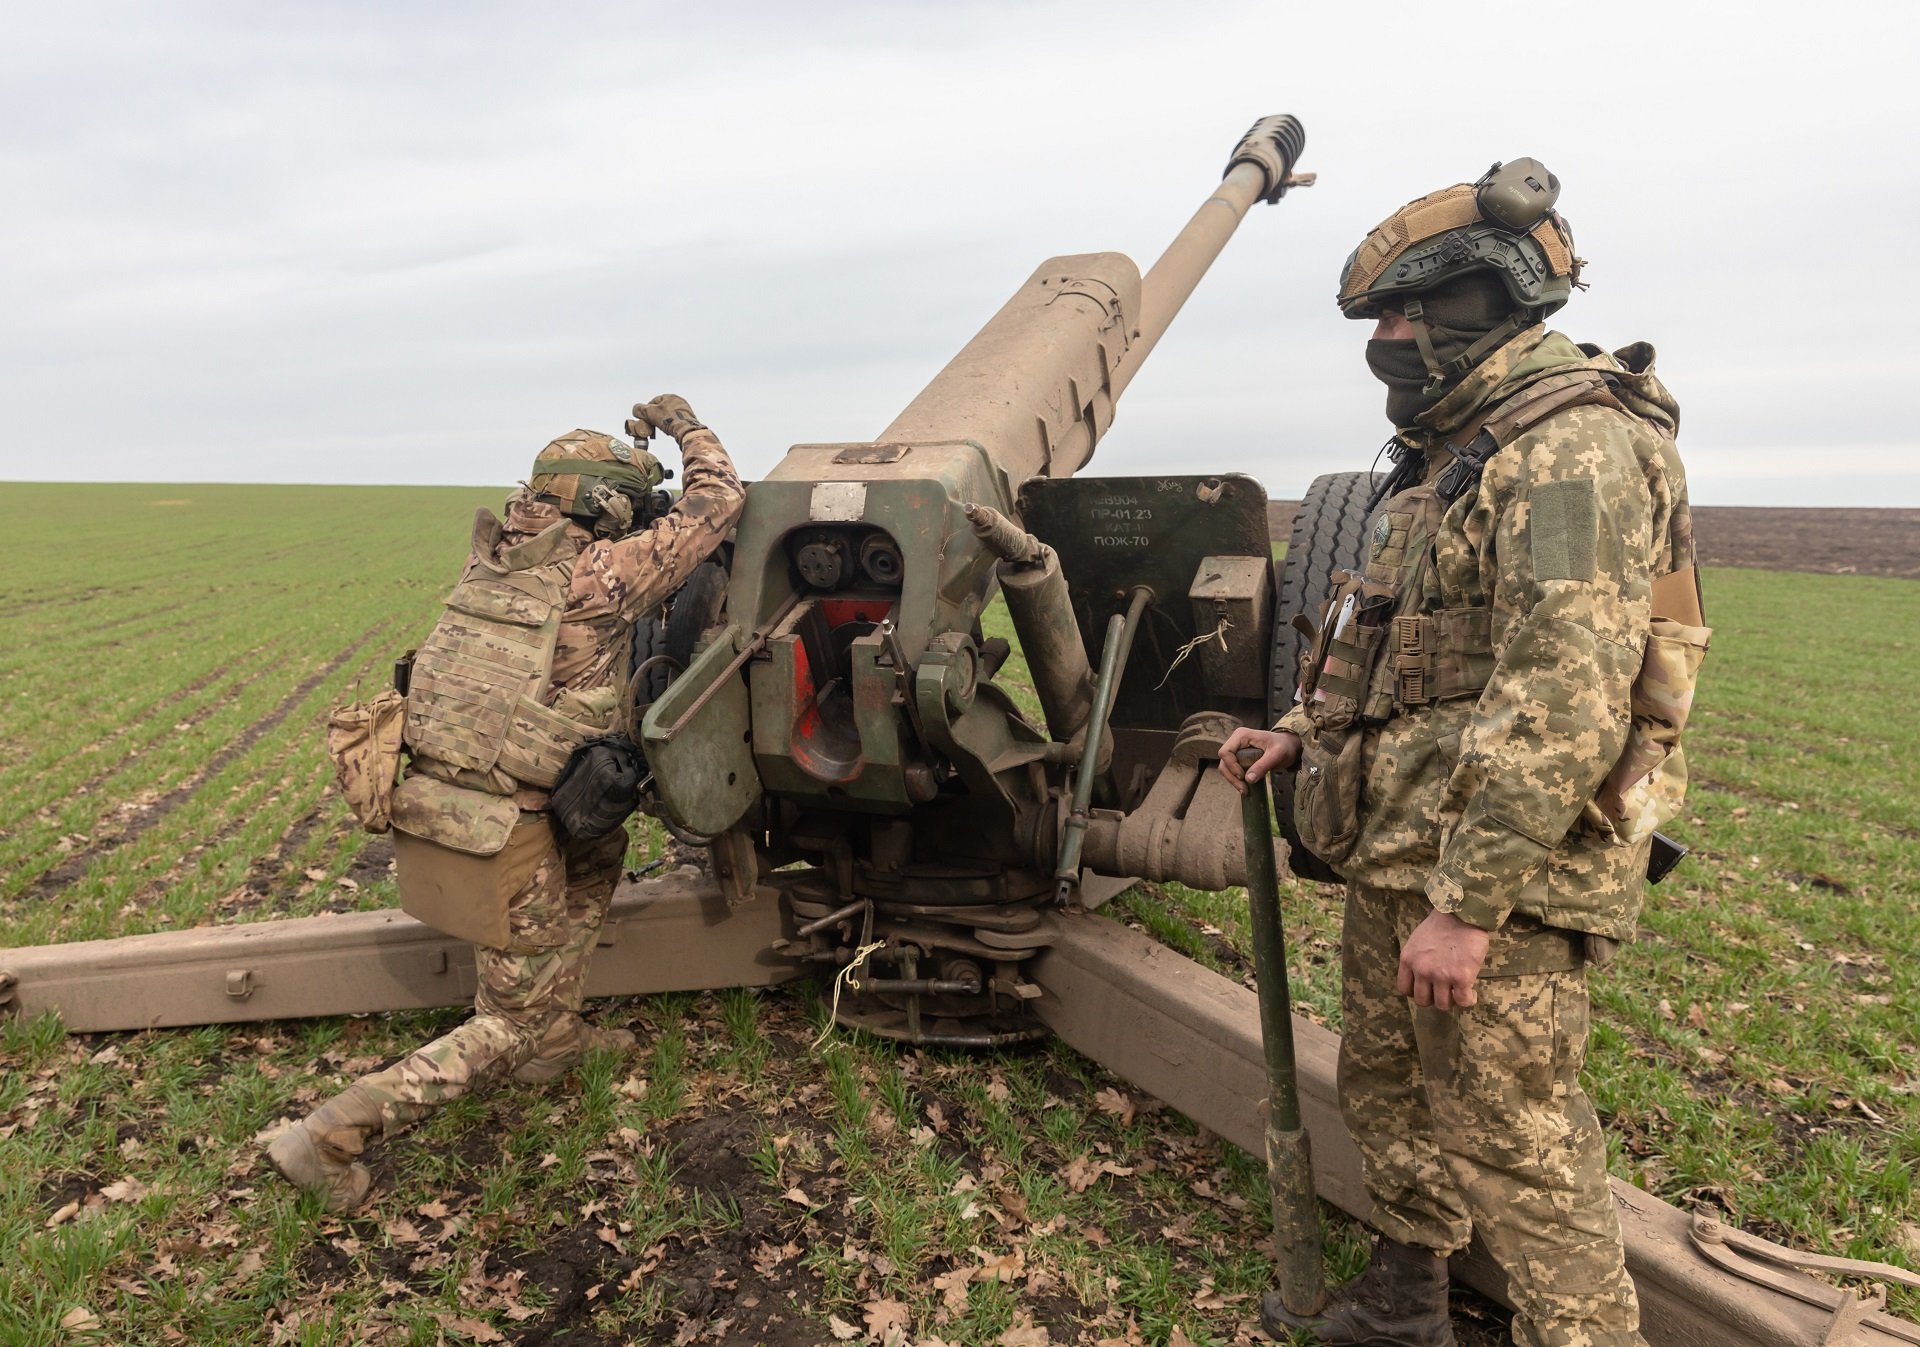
{"x":1113,"y":664}
{"x":1296,"y":1213}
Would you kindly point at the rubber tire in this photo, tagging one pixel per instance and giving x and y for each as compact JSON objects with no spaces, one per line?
{"x":697,"y":605}
{"x":650,"y":639}
{"x":1329,"y":534}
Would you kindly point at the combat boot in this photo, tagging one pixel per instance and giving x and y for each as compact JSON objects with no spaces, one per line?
{"x":568,"y":1039}
{"x":1400,"y":1300}
{"x":320,"y":1154}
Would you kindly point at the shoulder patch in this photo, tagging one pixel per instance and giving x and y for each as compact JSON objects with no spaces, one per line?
{"x":1563,"y":529}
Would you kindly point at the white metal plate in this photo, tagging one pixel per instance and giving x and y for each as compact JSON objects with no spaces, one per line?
{"x":837,"y":502}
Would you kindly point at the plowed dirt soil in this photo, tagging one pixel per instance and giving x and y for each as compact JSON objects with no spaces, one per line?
{"x":1778,"y":538}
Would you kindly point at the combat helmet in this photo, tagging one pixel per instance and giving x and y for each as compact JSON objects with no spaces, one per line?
{"x":602,"y":482}
{"x":1503,"y":226}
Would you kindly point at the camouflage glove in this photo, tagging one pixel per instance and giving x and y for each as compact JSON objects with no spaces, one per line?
{"x":670,"y":412}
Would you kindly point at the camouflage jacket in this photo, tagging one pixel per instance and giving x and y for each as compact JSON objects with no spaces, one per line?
{"x":1485,"y":802}
{"x":614,"y":583}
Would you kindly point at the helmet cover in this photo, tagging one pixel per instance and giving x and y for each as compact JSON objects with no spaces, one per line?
{"x":581,"y":471}
{"x":1504,"y":224}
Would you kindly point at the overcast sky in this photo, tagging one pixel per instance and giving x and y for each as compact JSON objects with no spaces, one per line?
{"x":411,"y":243}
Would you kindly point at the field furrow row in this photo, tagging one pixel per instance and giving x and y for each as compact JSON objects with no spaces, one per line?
{"x":182,"y":772}
{"x":234,"y":809}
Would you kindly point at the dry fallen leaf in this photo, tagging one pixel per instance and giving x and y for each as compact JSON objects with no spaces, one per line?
{"x":65,"y":1214}
{"x":461,"y":1325}
{"x":1209,"y":1298}
{"x":1006,"y":1267}
{"x":1179,"y":1338}
{"x":1082,"y":1171}
{"x":80,"y":1319}
{"x":1026,"y":1333}
{"x":952,"y":1287}
{"x":126,"y":1190}
{"x":841,"y":1329}
{"x":1116,"y":1103}
{"x":798,"y":1195}
{"x":886,"y":1316}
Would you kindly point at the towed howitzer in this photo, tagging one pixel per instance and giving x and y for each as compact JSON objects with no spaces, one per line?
{"x":846,"y":718}
{"x":968,"y":914}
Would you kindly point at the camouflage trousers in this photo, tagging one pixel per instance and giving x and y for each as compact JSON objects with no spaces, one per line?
{"x":1473,"y":1121}
{"x":525,"y":991}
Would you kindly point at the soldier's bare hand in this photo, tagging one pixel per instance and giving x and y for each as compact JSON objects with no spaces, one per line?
{"x":1441,"y":961}
{"x":1279,"y":750}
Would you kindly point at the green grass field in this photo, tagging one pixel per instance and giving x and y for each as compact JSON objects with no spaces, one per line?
{"x":170,"y":653}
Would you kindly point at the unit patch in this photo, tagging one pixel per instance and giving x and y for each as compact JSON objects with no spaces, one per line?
{"x":1565,"y":530}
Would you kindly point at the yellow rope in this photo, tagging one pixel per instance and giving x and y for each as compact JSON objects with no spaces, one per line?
{"x":1219,"y":633}
{"x":845,"y":978}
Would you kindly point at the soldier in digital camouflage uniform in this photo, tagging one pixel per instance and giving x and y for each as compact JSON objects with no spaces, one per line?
{"x":573,"y":527}
{"x":1461,"y":716}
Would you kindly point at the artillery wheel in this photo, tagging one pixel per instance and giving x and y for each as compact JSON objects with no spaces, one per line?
{"x":649,"y":643}
{"x":663,"y":649}
{"x":1329,"y":534}
{"x":697,"y":605}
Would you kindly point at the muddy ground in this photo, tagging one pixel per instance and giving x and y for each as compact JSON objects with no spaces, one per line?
{"x":1778,"y":538}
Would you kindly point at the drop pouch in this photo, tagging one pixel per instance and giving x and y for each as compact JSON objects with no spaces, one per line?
{"x":1648,"y":784}
{"x":363,"y":740}
{"x":461,"y":855}
{"x":1326,"y":791}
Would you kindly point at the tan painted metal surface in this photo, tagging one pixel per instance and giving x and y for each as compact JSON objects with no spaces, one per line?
{"x":672,"y":933}
{"x":1187,"y":1035}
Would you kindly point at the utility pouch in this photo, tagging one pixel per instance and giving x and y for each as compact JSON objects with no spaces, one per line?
{"x":461,"y":855}
{"x":1649,"y":782}
{"x":1337,"y":663}
{"x":599,"y":787}
{"x":1326,"y":791}
{"x":363,"y":740}
{"x":540,"y":738}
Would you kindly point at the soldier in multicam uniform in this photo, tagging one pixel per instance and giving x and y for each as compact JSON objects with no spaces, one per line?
{"x":1462,"y":709}
{"x":542,"y":615}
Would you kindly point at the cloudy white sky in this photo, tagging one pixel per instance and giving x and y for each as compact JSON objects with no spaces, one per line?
{"x":410,"y":243}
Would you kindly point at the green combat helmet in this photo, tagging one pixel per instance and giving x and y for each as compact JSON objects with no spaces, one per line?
{"x":1503,"y":225}
{"x":602,"y":482}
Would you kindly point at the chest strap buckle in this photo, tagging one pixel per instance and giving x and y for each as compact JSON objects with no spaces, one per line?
{"x":1412,"y":659}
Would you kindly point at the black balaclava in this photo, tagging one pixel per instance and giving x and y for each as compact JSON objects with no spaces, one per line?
{"x":1458,"y":314}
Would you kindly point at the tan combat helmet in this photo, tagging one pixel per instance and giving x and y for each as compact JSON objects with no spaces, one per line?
{"x":1504,"y":224}
{"x":600,"y":481}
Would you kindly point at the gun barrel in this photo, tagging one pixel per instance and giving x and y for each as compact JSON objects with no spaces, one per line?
{"x":1260,"y":169}
{"x":1037,"y":385}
